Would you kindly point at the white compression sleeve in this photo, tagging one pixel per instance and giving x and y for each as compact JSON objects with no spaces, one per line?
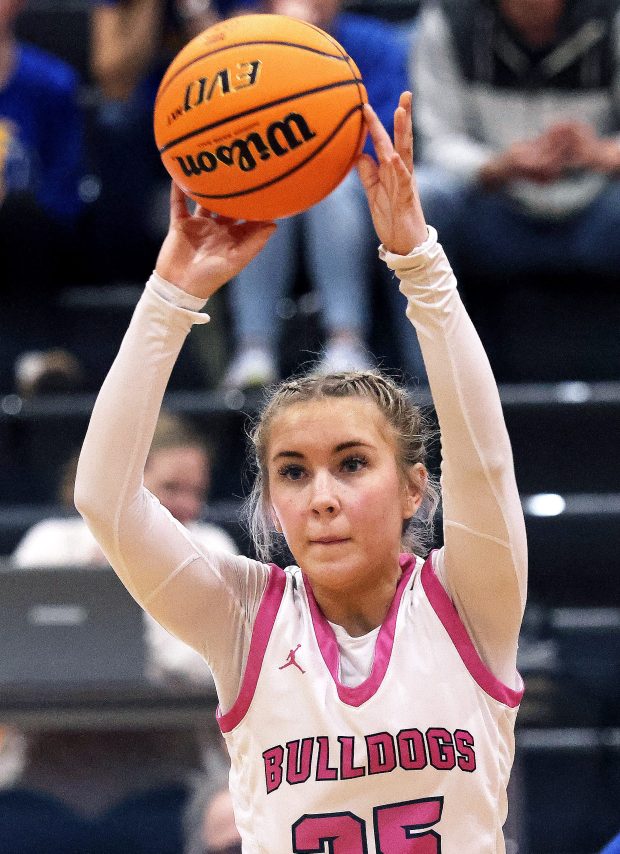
{"x":483,"y":564}
{"x":208,"y":600}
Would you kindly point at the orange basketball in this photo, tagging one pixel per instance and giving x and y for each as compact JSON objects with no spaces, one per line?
{"x":260,"y":116}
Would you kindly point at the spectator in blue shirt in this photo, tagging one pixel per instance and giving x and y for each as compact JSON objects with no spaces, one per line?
{"x":40,"y":170}
{"x":40,"y":131}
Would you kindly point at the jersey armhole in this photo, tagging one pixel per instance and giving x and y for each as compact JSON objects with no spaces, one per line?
{"x":449,"y":617}
{"x":263,"y":625}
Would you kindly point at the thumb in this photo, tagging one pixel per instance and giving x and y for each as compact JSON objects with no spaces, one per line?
{"x":178,"y":204}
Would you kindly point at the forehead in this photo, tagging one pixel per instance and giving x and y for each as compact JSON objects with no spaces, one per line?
{"x":326,"y":423}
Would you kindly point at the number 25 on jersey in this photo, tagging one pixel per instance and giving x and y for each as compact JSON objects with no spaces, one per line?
{"x":404,"y":828}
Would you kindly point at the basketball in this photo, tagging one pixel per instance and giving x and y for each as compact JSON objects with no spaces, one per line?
{"x":260,"y":117}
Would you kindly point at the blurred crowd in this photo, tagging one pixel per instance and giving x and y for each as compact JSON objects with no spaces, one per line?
{"x":517,"y":129}
{"x":516,"y":120}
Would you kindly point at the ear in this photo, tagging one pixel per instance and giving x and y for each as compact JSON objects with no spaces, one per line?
{"x":414,"y":489}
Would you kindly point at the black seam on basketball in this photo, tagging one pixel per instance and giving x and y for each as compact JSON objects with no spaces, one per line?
{"x":294,"y":169}
{"x":348,"y":59}
{"x":354,"y":69}
{"x":331,"y":39}
{"x":354,"y":72}
{"x":253,"y":110}
{"x":163,"y":88}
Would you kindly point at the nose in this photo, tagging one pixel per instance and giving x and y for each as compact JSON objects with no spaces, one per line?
{"x":324,"y":499}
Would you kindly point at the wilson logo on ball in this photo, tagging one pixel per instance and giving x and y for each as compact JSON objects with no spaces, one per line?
{"x":260,"y":116}
{"x":281,"y":137}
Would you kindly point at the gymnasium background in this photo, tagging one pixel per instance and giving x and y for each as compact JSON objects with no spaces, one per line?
{"x":561,"y":395}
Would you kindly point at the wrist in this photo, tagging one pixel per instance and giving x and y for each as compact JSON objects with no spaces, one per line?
{"x":412,"y":233}
{"x":172,"y":293}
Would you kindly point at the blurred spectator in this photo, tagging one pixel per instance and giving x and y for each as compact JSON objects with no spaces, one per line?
{"x":132,"y":44}
{"x":219,"y":829}
{"x":210,"y":821}
{"x":12,"y":745}
{"x":123,"y":790}
{"x":178,"y":472}
{"x":518,"y":111}
{"x":336,"y":234}
{"x":54,"y":371}
{"x":40,"y":169}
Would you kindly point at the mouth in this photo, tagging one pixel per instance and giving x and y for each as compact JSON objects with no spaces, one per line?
{"x":329,"y":541}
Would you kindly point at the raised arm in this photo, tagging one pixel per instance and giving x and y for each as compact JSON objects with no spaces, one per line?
{"x":483,"y":562}
{"x":206,"y":599}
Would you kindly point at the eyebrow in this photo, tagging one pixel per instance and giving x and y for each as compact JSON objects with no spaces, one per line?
{"x":343,"y":446}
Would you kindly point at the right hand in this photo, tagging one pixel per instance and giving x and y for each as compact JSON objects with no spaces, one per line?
{"x":389,"y":182}
{"x":203,"y":251}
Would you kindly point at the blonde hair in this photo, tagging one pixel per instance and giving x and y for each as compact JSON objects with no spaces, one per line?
{"x":411,"y":429}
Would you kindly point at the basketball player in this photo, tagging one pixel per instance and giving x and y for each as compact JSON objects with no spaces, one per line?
{"x":367,"y":695}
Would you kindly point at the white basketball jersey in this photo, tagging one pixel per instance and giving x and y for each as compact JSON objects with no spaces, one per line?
{"x":414,"y":760}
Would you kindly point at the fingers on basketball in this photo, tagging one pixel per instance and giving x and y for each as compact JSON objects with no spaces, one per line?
{"x":379,"y":136}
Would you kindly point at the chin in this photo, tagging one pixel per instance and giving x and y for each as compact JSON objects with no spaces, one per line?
{"x":336,"y":574}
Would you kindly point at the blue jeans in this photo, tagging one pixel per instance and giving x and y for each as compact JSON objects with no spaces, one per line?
{"x":337,"y":239}
{"x":339,"y":250}
{"x":489,"y":233}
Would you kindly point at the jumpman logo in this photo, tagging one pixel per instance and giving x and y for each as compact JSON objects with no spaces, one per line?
{"x":291,"y":660}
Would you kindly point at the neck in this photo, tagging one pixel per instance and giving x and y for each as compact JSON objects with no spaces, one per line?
{"x":539,"y":37}
{"x":361,"y":609}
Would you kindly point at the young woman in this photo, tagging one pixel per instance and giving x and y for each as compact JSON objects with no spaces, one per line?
{"x":367,"y":696}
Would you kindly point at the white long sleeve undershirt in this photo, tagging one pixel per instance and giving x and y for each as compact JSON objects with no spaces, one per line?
{"x":210,"y":600}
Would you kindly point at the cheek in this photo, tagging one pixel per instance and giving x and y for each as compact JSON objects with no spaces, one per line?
{"x":388,"y":507}
{"x":376,"y":509}
{"x":286,"y":509}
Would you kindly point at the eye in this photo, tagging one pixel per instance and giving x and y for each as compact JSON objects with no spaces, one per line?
{"x":291,"y":471}
{"x":353,"y":464}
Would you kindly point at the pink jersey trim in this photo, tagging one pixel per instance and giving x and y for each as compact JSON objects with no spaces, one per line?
{"x":267,"y":611}
{"x":452,"y":623}
{"x":328,"y":644}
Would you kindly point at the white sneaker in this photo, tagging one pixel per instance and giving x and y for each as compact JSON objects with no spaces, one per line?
{"x":251,"y":367}
{"x":344,"y":356}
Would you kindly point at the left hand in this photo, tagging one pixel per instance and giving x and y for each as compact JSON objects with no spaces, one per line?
{"x":390,"y":184}
{"x":202,"y":251}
